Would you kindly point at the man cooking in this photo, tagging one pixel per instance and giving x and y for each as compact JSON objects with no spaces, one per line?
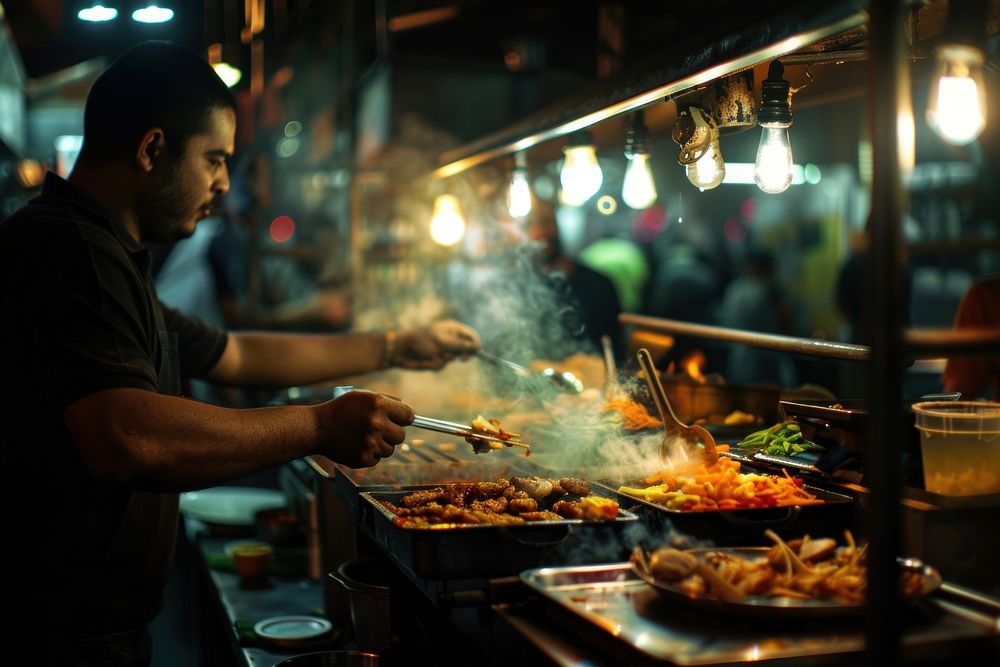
{"x":98,"y":442}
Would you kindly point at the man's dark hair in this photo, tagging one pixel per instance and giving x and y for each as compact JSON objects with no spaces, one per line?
{"x":152,"y":84}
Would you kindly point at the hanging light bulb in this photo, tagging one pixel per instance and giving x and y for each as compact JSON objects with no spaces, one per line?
{"x":697,"y":133}
{"x":447,"y":221}
{"x":957,"y":107}
{"x":519,"y":194}
{"x":638,"y":188}
{"x":581,"y":175}
{"x":709,"y":170}
{"x":772,"y":170}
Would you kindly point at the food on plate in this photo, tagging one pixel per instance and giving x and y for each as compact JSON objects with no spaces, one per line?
{"x":504,"y":501}
{"x":783,"y":439}
{"x":720,"y":486}
{"x":801,"y":569}
{"x":635,"y":415}
{"x":491,"y":427}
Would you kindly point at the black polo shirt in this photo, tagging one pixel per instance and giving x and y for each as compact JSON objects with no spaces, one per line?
{"x":80,"y":315}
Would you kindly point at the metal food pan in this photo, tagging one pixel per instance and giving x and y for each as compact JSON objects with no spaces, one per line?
{"x":471,"y":551}
{"x":746,"y":526}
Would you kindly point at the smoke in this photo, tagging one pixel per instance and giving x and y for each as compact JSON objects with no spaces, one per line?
{"x":606,"y":546}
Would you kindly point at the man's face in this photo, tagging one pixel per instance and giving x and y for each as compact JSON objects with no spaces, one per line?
{"x":188,"y":186}
{"x":545,"y":232}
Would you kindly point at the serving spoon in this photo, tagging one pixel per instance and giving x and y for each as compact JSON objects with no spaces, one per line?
{"x":674,"y":426}
{"x":565,"y":380}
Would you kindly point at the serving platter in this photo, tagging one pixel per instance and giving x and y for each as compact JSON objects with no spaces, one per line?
{"x":618,"y":613}
{"x":776,"y":607}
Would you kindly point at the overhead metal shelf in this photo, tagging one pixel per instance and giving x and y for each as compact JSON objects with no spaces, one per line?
{"x":711,"y":57}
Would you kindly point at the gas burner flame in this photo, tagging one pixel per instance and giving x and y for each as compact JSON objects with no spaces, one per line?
{"x":693,"y":364}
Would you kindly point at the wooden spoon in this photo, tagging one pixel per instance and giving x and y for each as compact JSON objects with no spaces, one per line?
{"x":674,"y":426}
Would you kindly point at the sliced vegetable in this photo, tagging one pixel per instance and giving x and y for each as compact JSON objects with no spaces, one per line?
{"x":783,"y":439}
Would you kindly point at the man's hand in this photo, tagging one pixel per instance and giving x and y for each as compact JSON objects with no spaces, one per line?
{"x":435,"y":345}
{"x":364,"y":427}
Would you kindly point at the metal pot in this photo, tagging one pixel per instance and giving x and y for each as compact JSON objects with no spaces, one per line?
{"x":368,"y":592}
{"x":712,"y":402}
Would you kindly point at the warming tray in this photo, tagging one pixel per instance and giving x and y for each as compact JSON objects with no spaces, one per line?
{"x":610,"y":606}
{"x":483,"y":551}
{"x":731,"y":527}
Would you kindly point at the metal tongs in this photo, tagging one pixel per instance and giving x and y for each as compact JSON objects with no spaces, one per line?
{"x":673,"y":425}
{"x":462,"y":430}
{"x":564,"y":380}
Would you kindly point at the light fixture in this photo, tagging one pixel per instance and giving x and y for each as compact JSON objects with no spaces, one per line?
{"x":447,"y":221}
{"x":638,"y":188}
{"x":230,"y":75}
{"x":709,"y":170}
{"x":696,"y":132}
{"x":581,"y":175}
{"x":956,"y":110}
{"x":97,"y":13}
{"x":519,"y":193}
{"x":957,"y":107}
{"x":152,"y":14}
{"x":773,"y":167}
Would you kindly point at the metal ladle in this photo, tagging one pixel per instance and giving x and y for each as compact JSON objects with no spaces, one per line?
{"x":564,"y":380}
{"x":674,"y":426}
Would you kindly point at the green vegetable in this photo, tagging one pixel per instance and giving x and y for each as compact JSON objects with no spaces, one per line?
{"x":784,"y":439}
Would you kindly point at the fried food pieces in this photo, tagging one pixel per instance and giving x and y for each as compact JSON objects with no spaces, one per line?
{"x":502,"y":502}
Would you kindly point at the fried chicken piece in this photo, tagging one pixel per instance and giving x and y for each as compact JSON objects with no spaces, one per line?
{"x":498,"y":505}
{"x":488,"y":489}
{"x":574,"y":486}
{"x":416,"y":498}
{"x":519,"y":505}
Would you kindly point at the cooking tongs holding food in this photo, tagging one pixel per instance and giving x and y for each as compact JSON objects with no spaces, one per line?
{"x":673,"y":425}
{"x":465,"y":431}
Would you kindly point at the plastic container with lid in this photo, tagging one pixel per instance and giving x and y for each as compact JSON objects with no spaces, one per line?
{"x":960,"y":446}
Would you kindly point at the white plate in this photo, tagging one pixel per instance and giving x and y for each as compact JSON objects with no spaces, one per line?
{"x":289,"y":629}
{"x":230,"y":505}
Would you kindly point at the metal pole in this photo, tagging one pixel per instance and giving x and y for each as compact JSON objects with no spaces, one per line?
{"x":812,"y":346}
{"x":889,"y":91}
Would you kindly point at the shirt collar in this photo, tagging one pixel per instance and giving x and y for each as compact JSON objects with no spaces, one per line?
{"x":56,"y":187}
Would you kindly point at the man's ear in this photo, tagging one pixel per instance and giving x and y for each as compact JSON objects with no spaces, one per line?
{"x":152,"y":146}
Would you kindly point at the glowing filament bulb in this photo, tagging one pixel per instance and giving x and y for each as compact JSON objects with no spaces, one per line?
{"x":519,"y":195}
{"x":772,"y":170}
{"x":447,"y":221}
{"x":957,"y":107}
{"x":581,"y":175}
{"x":709,"y":170}
{"x":638,"y":190}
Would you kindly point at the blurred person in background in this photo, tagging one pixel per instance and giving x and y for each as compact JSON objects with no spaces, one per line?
{"x":593,"y":301}
{"x":94,"y":429}
{"x":755,"y":301}
{"x":686,"y":285}
{"x":975,"y":376}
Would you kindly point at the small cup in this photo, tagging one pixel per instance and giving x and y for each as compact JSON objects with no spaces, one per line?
{"x":251,"y":558}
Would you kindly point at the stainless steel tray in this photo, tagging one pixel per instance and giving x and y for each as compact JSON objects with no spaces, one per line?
{"x":455,"y":551}
{"x":627,"y":618}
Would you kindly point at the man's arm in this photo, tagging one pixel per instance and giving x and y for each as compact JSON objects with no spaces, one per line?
{"x":164,"y":443}
{"x":269,"y":359}
{"x":272,"y":359}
